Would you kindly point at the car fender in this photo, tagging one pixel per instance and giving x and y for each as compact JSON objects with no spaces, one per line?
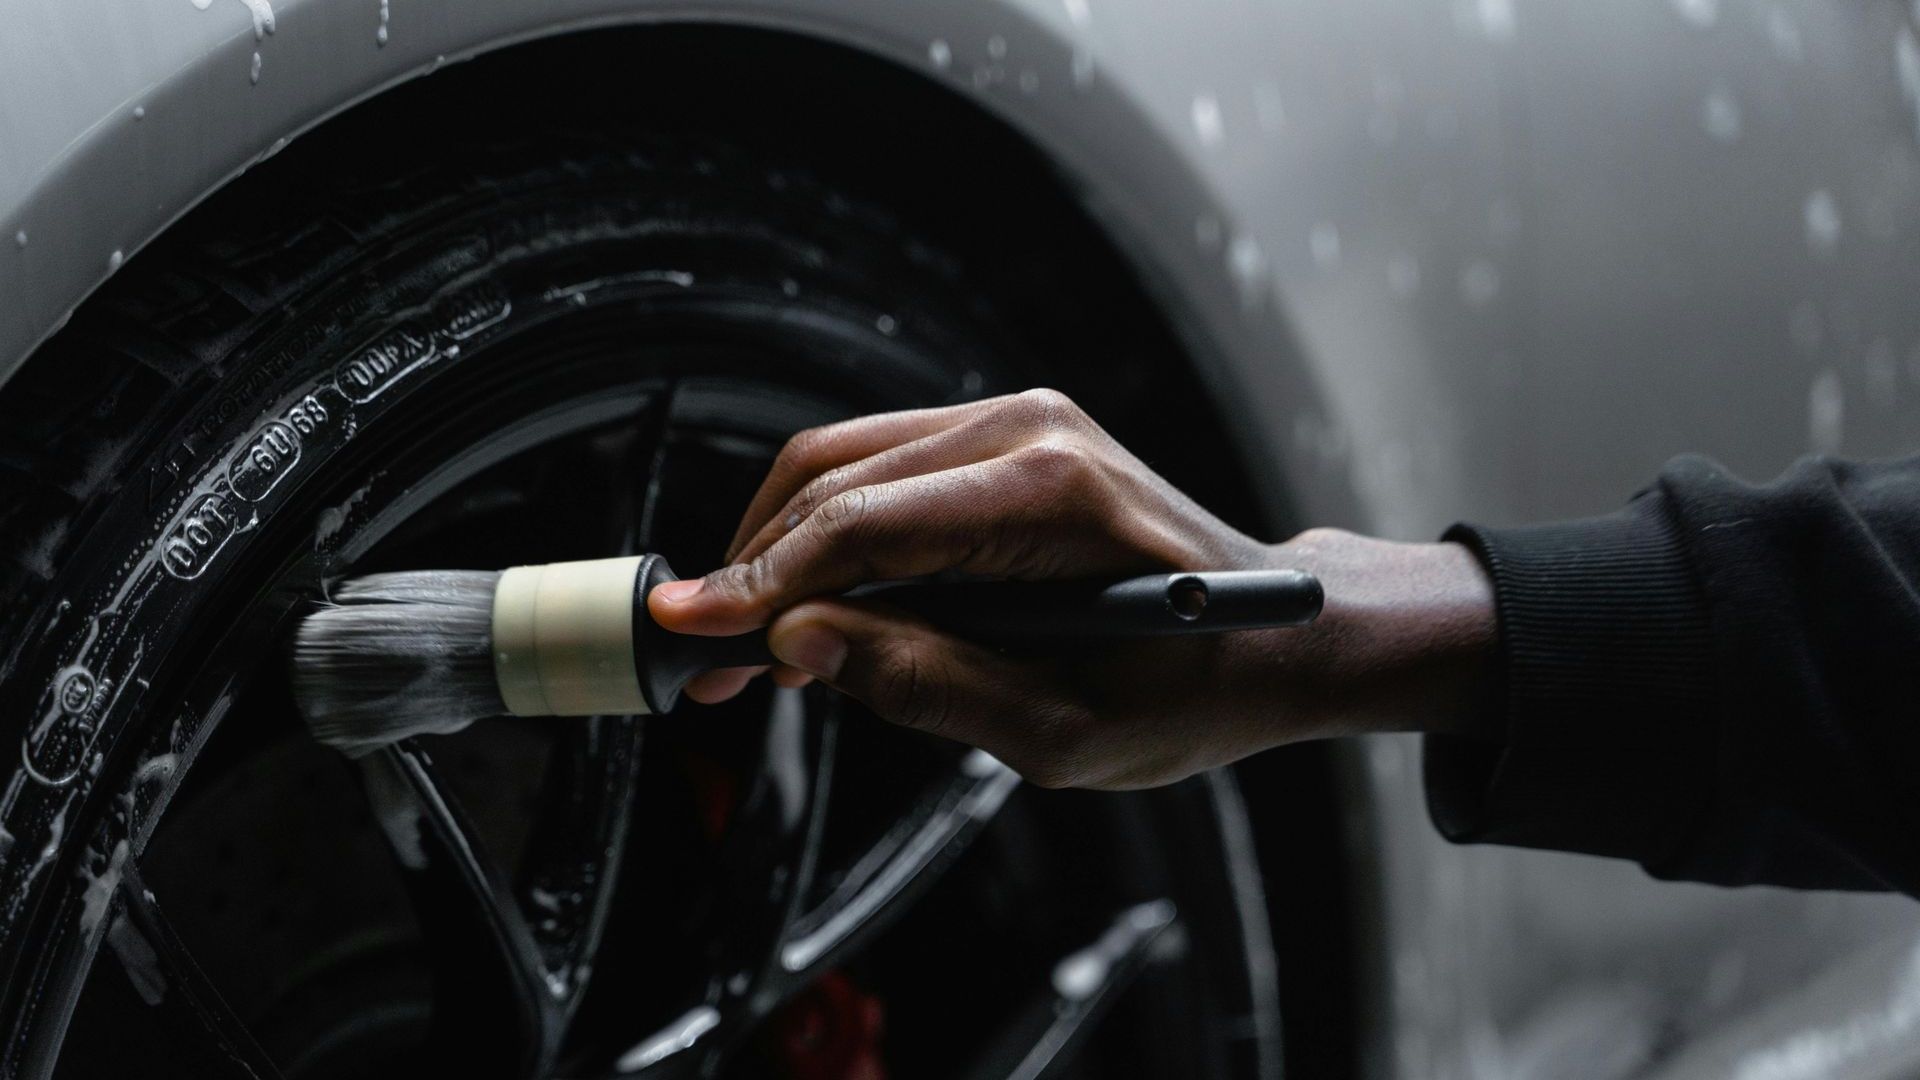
{"x":115,"y":119}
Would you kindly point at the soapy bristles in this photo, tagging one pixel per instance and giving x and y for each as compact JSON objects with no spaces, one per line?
{"x":392,"y":655}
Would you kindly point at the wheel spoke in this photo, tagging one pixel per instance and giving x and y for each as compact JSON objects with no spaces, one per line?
{"x":203,"y":1037}
{"x":777,"y":948}
{"x":905,"y":860}
{"x":575,"y":848}
{"x":493,"y":995}
{"x":1047,"y":1031}
{"x":766,"y":868}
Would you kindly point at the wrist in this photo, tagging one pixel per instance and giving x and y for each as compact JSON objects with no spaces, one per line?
{"x":1407,"y":641}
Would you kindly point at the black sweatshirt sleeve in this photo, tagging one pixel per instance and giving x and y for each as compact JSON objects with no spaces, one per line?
{"x":1720,"y":681}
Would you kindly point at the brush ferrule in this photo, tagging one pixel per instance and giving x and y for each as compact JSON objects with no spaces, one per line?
{"x":563,"y":639}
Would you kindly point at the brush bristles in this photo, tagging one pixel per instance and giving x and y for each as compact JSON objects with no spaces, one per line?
{"x":395,"y":655}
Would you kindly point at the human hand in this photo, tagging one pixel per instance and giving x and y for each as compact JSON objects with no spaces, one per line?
{"x":1029,"y":487}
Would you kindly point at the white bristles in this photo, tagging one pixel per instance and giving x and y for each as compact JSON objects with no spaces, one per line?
{"x":398,"y":654}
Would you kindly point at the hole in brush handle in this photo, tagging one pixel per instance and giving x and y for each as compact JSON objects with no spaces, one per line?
{"x":1187,"y":596}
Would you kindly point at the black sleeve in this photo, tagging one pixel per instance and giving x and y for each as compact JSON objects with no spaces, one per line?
{"x":1720,"y":681}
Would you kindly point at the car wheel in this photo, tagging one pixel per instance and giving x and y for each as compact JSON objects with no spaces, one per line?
{"x":556,"y":348}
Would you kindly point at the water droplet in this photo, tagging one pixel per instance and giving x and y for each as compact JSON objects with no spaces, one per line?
{"x":380,"y":37}
{"x":1248,"y":266}
{"x":386,"y":13}
{"x":115,"y":260}
{"x":1082,"y":66}
{"x":1206,"y":119}
{"x":1324,"y":241}
{"x":1822,"y":217}
{"x":1497,"y":20}
{"x":254,"y":76}
{"x":789,"y":288}
{"x":1826,"y":412}
{"x":1029,"y":82}
{"x":1078,"y":12}
{"x":1720,"y":114}
{"x":262,"y":12}
{"x":20,"y":238}
{"x":203,"y":4}
{"x":939,"y":53}
{"x":1906,"y":65}
{"x":1403,"y":275}
{"x":1701,"y":13}
{"x":1479,"y":283}
{"x":997,"y":47}
{"x":886,"y":325}
{"x":139,"y":112}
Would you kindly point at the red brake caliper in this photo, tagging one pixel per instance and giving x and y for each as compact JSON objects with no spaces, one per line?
{"x":829,"y":1032}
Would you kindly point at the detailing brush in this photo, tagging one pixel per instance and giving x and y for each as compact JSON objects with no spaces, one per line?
{"x":400,"y":654}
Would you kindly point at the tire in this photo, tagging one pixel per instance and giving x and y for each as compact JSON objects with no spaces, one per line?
{"x":539,"y":349}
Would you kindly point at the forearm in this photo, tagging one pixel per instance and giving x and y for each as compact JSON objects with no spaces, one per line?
{"x":1716,"y":681}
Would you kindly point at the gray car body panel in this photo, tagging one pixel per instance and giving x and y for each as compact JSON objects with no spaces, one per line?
{"x":1481,"y":259}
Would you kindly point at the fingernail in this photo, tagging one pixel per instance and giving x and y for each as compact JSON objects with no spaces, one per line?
{"x":815,"y":649}
{"x":673,"y":592}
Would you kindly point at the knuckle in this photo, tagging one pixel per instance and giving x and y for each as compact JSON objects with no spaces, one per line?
{"x":818,"y":490}
{"x":744,"y":580}
{"x":1318,"y":539}
{"x":1056,"y":462}
{"x":802,"y":446}
{"x":844,"y":511}
{"x":1050,"y":408}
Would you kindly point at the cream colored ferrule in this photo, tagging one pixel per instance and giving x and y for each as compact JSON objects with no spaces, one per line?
{"x":563,"y":639}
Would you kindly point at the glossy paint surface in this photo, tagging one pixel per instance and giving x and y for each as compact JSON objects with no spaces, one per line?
{"x":1483,"y":259}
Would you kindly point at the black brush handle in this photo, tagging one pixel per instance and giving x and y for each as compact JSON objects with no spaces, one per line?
{"x":1007,"y":614}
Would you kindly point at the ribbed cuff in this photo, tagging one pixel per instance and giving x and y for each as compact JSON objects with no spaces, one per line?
{"x":1607,"y":668}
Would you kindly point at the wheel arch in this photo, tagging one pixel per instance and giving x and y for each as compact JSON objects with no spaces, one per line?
{"x":188,"y":111}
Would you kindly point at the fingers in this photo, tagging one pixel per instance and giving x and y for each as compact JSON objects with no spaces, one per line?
{"x":817,"y":450}
{"x":997,"y":518}
{"x":911,"y":674}
{"x":711,"y":687}
{"x":963,"y":444}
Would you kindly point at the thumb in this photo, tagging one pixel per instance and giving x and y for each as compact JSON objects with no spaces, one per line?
{"x":910,"y":673}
